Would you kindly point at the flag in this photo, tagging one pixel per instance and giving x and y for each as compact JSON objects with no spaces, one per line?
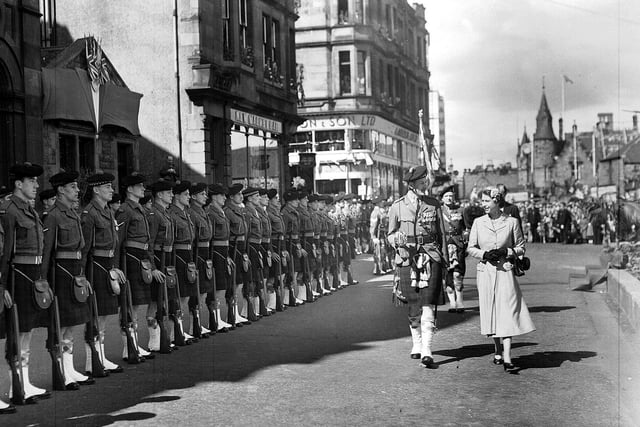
{"x":567,"y":79}
{"x":96,"y":63}
{"x":427,"y":149}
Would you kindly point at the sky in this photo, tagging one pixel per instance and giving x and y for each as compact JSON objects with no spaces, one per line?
{"x":488,"y":58}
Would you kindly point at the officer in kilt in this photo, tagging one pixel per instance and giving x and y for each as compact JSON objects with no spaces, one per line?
{"x":63,"y":264}
{"x":293,"y":248}
{"x":268,"y":272}
{"x":136,"y":254}
{"x":220,"y":302}
{"x":278,"y":259}
{"x":183,"y":243}
{"x":308,"y":255}
{"x":456,"y":247}
{"x":102,"y":261}
{"x":234,"y":212}
{"x":416,"y":231}
{"x":330,"y":261}
{"x":254,"y":250}
{"x":203,"y":258}
{"x":351,"y":212}
{"x":22,"y":247}
{"x":322,"y":247}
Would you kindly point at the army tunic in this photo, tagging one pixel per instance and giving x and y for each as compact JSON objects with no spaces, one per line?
{"x":62,"y":258}
{"x":204,"y":232}
{"x":292,"y":236}
{"x":420,"y":219}
{"x":22,"y":231}
{"x":238,"y":240}
{"x":254,"y":237}
{"x":331,"y":241}
{"x":277,"y":239}
{"x":267,"y":248}
{"x":101,"y":245}
{"x":161,"y":235}
{"x":220,"y":242}
{"x":306,"y":236}
{"x":183,"y":247}
{"x":454,"y":229}
{"x":317,"y":231}
{"x":133,"y":236}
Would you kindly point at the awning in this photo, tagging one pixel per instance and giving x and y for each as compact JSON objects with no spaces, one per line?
{"x":67,"y":95}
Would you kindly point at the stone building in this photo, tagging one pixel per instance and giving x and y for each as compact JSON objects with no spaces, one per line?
{"x":481,"y":177}
{"x":364,"y":75}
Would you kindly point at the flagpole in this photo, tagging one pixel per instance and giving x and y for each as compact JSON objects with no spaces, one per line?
{"x":562,"y":116}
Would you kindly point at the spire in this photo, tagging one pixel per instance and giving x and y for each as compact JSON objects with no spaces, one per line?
{"x":544,"y":121}
{"x":525,"y":138}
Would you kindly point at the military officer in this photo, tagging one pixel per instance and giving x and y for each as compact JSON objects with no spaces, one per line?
{"x":115,"y":203}
{"x":416,"y":231}
{"x":331,"y":271}
{"x":306,"y":240}
{"x":47,"y":198}
{"x":375,"y":232}
{"x":456,"y":246}
{"x":351,"y":212}
{"x":279,"y":260}
{"x":203,"y":258}
{"x":269,"y":275}
{"x":293,"y":248}
{"x":253,"y":220}
{"x":22,"y":251}
{"x":320,"y":230}
{"x":62,"y":260}
{"x":220,"y":302}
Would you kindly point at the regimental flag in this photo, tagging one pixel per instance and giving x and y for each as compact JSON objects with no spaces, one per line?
{"x":428,"y":153}
{"x":96,"y":64}
{"x":567,"y":79}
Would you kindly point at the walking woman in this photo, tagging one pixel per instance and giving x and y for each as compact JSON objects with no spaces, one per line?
{"x":495,"y":240}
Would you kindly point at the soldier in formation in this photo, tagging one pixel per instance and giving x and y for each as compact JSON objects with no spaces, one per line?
{"x":456,"y":247}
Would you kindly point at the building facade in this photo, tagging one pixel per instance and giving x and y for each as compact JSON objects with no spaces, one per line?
{"x":437,"y":126}
{"x":363,"y":76}
{"x":218,"y":79}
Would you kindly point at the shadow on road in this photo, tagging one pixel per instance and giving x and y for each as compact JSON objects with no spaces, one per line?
{"x":549,"y":359}
{"x":105,"y":420}
{"x":469,"y":351}
{"x":551,"y":308}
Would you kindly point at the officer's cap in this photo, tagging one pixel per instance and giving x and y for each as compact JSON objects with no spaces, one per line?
{"x":100,"y":179}
{"x":47,"y":194}
{"x":161,"y":185}
{"x":250,"y":191}
{"x":63,"y":178}
{"x":116,"y":198}
{"x":215,"y":189}
{"x":134,"y":179}
{"x":234,"y":189}
{"x":415,"y":173}
{"x":290,"y":195}
{"x":302,"y":194}
{"x":447,"y":189}
{"x":181,"y":187}
{"x":271,"y":193}
{"x":25,"y":170}
{"x":198,"y":188}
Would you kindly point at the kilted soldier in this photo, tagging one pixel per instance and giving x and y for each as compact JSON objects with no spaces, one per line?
{"x":351,"y":212}
{"x":203,"y":233}
{"x":268,"y":270}
{"x":115,"y":203}
{"x":135,"y":253}
{"x":254,"y":250}
{"x":47,"y":198}
{"x":183,"y":243}
{"x":220,"y":302}
{"x":342,"y":239}
{"x":279,"y":259}
{"x":63,"y":264}
{"x":308,"y":254}
{"x":102,"y":261}
{"x":331,"y":270}
{"x":374,"y":231}
{"x":234,"y":212}
{"x":22,"y":251}
{"x":319,"y":239}
{"x":147,"y":201}
{"x":456,"y":246}
{"x":161,"y":235}
{"x":416,"y":231}
{"x":292,"y":247}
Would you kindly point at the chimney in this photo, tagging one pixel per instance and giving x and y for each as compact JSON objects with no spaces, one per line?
{"x":560,"y":129}
{"x":635,"y":122}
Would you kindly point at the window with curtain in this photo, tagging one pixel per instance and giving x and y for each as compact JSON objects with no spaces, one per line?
{"x":344,"y":58}
{"x":362,"y":72}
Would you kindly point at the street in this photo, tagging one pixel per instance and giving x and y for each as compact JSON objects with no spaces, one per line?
{"x":344,"y":360}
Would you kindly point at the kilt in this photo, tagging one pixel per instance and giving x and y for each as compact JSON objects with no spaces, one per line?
{"x":311,"y":259}
{"x":345,"y":258}
{"x":255,"y":258}
{"x":186,"y":289}
{"x":106,"y":300}
{"x":30,"y":315}
{"x":269,"y":271}
{"x":431,"y":295}
{"x":206,"y":285}
{"x":220,"y":271}
{"x":298,"y":265}
{"x":237,"y":250}
{"x":155,"y":286}
{"x":72,"y":313}
{"x":140,"y":291}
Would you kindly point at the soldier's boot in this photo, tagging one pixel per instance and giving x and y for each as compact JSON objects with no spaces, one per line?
{"x":311,"y":295}
{"x":279,"y":299}
{"x":154,"y":334}
{"x":88,"y":367}
{"x":416,"y":339}
{"x":325,"y":284}
{"x":451,"y":295}
{"x":215,"y":319}
{"x":427,"y":326}
{"x":262,"y":304}
{"x":221,"y":325}
{"x":125,"y":352}
{"x":302,"y":293}
{"x":31,"y":392}
{"x":271,"y":301}
{"x":457,"y":282}
{"x":240,"y":320}
{"x":314,"y":283}
{"x":196,"y":327}
{"x":350,"y":278}
{"x":334,"y":282}
{"x":70,"y":373}
{"x":141,"y":351}
{"x":108,"y":365}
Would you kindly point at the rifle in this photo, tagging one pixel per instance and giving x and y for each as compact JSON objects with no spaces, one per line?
{"x":178,"y":330}
{"x":231,"y":302}
{"x":14,"y":350}
{"x":294,"y":282}
{"x":163,"y":309}
{"x":278,"y":289}
{"x":91,"y":329}
{"x":126,"y":318}
{"x":307,"y":273}
{"x":55,"y":335}
{"x":196,"y":325}
{"x":251,"y":312}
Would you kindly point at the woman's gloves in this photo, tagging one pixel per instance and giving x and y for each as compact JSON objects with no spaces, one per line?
{"x":495,"y":254}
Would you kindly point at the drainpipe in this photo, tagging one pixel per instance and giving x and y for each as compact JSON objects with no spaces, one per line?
{"x":175,"y":29}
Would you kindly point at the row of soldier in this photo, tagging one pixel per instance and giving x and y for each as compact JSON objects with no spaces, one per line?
{"x":234,"y":251}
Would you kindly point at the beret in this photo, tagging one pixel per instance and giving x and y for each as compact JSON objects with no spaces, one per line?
{"x":26,"y":170}
{"x":100,"y":179}
{"x":215,"y":189}
{"x":302,"y":194}
{"x":46,"y":194}
{"x":250,"y":191}
{"x":415,"y":173}
{"x":272,"y":192}
{"x":290,"y":195}
{"x":161,"y":185}
{"x":134,"y":179}
{"x":377,"y":200}
{"x":198,"y":188}
{"x":145,"y":199}
{"x":328,"y":199}
{"x":116,"y":198}
{"x":4,"y":191}
{"x":63,"y":178}
{"x":181,"y":187}
{"x":262,"y":191}
{"x":234,"y":189}
{"x":447,"y":189}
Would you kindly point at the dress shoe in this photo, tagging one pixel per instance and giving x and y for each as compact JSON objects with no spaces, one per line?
{"x":222,"y":330}
{"x":497,"y":360}
{"x":72,"y":387}
{"x":27,"y":401}
{"x":45,"y":395}
{"x":509,"y":367}
{"x":88,"y":381}
{"x":8,"y":410}
{"x":428,"y":362}
{"x":116,"y":370}
{"x":452,"y":310}
{"x":459,"y":310}
{"x":415,"y":355}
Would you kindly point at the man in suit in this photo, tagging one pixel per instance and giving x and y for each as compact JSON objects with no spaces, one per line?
{"x":509,"y":209}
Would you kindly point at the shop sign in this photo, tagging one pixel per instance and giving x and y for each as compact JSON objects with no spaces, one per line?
{"x":358,"y":121}
{"x":255,"y":121}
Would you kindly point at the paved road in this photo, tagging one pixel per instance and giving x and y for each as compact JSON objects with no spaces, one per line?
{"x":344,"y":360}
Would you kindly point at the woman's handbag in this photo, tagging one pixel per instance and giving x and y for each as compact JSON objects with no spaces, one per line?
{"x":521,"y":265}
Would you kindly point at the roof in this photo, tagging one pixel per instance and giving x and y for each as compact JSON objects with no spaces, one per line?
{"x":631,"y":153}
{"x":544,"y":122}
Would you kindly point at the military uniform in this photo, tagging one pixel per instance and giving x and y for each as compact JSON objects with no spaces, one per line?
{"x":204,"y":233}
{"x":456,"y":246}
{"x":183,"y":246}
{"x":292,"y":246}
{"x":376,"y":237}
{"x":279,"y":262}
{"x":254,"y":251}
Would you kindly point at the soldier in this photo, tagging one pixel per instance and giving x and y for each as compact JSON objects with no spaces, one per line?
{"x":47,"y":198}
{"x":133,"y":237}
{"x":308,"y":255}
{"x":254,"y":248}
{"x":115,"y":203}
{"x":456,"y":247}
{"x":331,"y":265}
{"x":351,"y":212}
{"x":279,"y":255}
{"x":62,"y":262}
{"x":374,"y":231}
{"x":101,"y":258}
{"x":220,"y":302}
{"x":203,"y":259}
{"x":416,"y":231}
{"x":5,"y":194}
{"x":292,"y":247}
{"x":147,"y":201}
{"x":317,"y":204}
{"x":23,"y":245}
{"x":269,"y":271}
{"x":387,"y":251}
{"x":184,"y":240}
{"x":234,"y":212}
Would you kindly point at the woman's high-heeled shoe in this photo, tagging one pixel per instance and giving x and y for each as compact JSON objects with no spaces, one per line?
{"x":509,"y":366}
{"x":497,"y":360}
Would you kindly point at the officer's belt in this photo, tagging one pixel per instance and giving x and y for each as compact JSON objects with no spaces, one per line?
{"x":204,"y":244}
{"x":293,"y":236}
{"x":238,"y":239}
{"x":266,"y":240}
{"x":323,"y":234}
{"x":27,"y":259}
{"x":330,"y":236}
{"x":182,"y":246}
{"x":136,"y":245}
{"x":421,"y":240}
{"x":255,"y":241}
{"x":308,"y":234}
{"x":277,"y":237}
{"x":163,"y":248}
{"x":220,"y":243}
{"x":454,"y":234}
{"x":104,"y":253}
{"x":68,"y":255}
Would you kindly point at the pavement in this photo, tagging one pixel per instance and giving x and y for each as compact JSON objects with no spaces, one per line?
{"x":344,"y":360}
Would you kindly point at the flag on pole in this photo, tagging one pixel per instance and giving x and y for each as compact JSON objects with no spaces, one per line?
{"x":567,"y":79}
{"x":427,"y":149}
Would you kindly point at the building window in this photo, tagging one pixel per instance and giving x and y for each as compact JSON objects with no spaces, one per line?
{"x":125,"y":160}
{"x":246,"y":50}
{"x":344,"y":58}
{"x":227,"y":39}
{"x":343,"y":12}
{"x":47,"y":24}
{"x":329,"y":140}
{"x":359,"y":12}
{"x":360,"y":139}
{"x":275,"y":41}
{"x":390,"y":84}
{"x":362,"y":72}
{"x":77,"y":153}
{"x":271,"y":49}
